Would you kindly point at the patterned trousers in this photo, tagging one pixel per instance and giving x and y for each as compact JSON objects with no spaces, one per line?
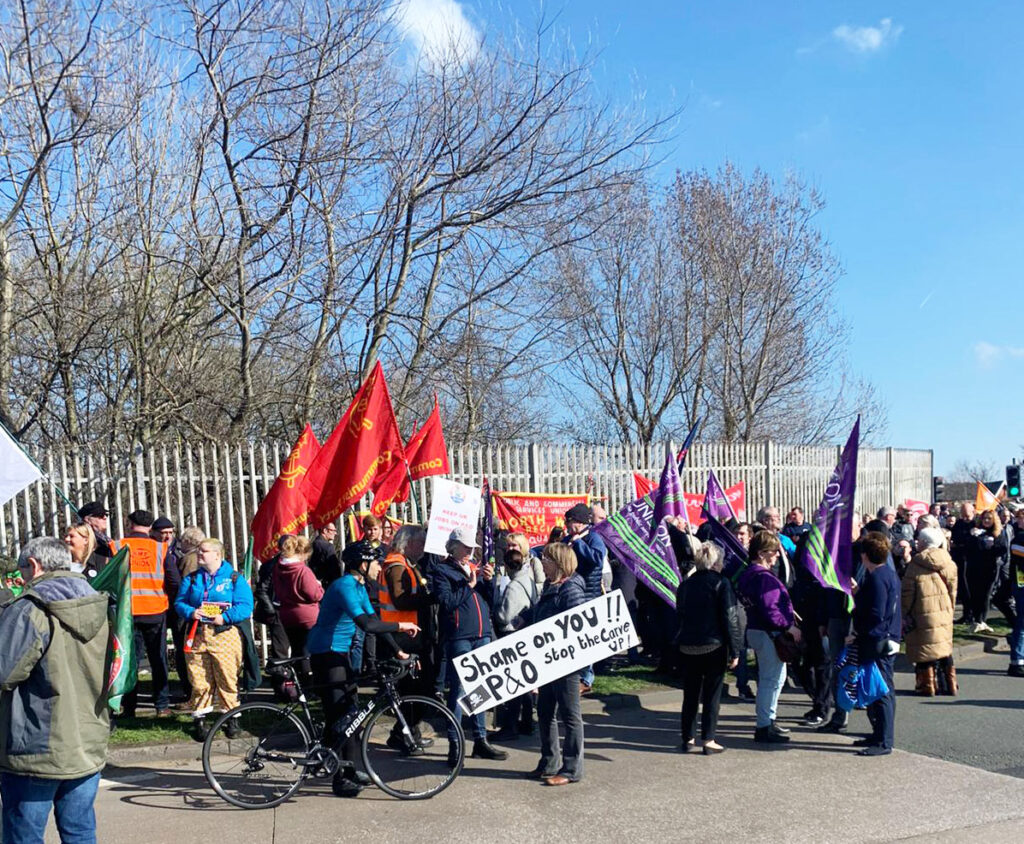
{"x":213,"y":667}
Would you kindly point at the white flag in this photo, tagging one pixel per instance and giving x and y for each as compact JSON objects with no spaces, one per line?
{"x":16,"y":470}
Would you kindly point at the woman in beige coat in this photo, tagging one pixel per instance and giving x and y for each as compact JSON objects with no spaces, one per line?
{"x":929,"y":596}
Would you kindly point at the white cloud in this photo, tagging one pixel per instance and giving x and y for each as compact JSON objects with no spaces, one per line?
{"x":439,"y":29}
{"x":868,"y":39}
{"x":988,"y":354}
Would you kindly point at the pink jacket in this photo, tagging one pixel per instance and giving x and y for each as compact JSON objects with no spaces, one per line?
{"x":297,"y":593}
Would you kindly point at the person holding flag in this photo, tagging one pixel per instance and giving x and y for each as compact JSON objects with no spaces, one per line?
{"x":53,"y":707}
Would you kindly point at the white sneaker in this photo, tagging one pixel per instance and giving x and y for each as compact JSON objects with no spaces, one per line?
{"x":982,"y":627}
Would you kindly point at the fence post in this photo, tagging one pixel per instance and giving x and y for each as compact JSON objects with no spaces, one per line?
{"x":891,"y":499}
{"x":768,"y":459}
{"x":535,"y":468}
{"x":140,"y":478}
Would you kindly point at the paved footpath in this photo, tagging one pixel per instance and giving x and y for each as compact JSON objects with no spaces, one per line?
{"x":637,"y":784}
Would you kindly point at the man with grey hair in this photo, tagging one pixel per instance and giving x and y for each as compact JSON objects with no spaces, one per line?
{"x":770,"y":520}
{"x":54,"y":723}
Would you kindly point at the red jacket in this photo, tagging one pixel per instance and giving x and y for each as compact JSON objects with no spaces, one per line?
{"x":297,"y":593}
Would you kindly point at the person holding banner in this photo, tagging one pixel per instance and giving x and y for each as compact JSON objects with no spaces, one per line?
{"x":464,"y":595}
{"x":709,"y":639}
{"x":591,"y":552}
{"x":564,"y":590}
{"x":769,"y":613}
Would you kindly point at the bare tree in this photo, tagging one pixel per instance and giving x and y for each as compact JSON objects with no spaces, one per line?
{"x":966,"y":470}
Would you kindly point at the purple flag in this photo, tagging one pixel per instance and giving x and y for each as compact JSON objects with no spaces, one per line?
{"x":716,"y":502}
{"x":735,"y":560}
{"x":828,"y":550}
{"x":638,"y":536}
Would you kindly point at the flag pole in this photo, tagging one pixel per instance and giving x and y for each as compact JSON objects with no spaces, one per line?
{"x":412,"y":489}
{"x":42,"y":473}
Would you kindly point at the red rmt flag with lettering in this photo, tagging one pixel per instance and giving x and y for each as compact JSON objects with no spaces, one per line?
{"x":425,"y":454}
{"x":365,"y":444}
{"x":284,"y":509}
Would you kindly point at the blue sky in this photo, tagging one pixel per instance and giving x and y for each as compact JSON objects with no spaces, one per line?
{"x":909,"y":118}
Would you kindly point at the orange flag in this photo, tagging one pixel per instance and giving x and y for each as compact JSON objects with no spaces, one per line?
{"x":284,"y":509}
{"x":425,"y":454}
{"x":366,"y":443}
{"x":984,"y":500}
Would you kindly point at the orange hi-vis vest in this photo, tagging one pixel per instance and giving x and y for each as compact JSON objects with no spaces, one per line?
{"x":388,"y":611}
{"x":146,"y":557}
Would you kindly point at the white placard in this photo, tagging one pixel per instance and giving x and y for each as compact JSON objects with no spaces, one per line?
{"x":452,"y":506}
{"x":545,"y":651}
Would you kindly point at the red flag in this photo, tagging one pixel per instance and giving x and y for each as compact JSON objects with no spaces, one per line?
{"x":366,"y":443}
{"x":642,"y":485}
{"x":284,"y":509}
{"x":425,"y":454}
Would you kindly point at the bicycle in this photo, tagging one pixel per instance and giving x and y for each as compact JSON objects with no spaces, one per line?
{"x":257,"y":755}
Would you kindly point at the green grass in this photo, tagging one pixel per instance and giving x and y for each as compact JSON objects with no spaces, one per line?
{"x":1000,"y":630}
{"x":152,"y":730}
{"x":631,"y":680}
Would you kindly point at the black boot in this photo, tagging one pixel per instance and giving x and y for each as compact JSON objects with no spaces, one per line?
{"x":200,"y":729}
{"x":483,"y":750}
{"x":765,"y":735}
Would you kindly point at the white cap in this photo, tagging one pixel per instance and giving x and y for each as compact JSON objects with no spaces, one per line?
{"x":463,"y":536}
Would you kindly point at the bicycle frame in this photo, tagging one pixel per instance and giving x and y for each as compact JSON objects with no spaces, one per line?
{"x":350,"y":723}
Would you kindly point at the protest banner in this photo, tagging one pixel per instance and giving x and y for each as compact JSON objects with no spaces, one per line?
{"x":532,"y":513}
{"x":916,"y":508}
{"x":452,"y":506}
{"x":545,"y":651}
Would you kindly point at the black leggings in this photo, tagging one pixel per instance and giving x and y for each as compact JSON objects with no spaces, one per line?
{"x":702,"y":683}
{"x":336,"y":685}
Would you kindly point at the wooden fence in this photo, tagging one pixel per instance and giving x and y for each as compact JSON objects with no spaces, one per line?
{"x":218,"y":486}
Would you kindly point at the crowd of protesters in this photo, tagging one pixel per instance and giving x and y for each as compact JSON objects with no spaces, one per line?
{"x":383,"y":596}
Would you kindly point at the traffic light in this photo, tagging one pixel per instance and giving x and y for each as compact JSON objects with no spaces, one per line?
{"x":938,"y":489}
{"x":1013,"y":481}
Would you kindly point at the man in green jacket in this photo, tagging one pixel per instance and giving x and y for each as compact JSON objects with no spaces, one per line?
{"x":54,"y":722}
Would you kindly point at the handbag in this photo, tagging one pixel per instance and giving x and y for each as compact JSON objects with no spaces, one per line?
{"x":787,"y":648}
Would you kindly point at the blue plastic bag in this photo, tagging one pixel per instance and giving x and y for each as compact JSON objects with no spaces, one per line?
{"x":858,"y":686}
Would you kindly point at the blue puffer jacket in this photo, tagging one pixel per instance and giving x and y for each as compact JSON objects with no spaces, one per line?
{"x":464,"y":613}
{"x":590,"y":553}
{"x":555,"y":599}
{"x":221,"y":587}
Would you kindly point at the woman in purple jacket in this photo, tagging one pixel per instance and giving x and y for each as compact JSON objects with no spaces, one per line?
{"x":769,"y":613}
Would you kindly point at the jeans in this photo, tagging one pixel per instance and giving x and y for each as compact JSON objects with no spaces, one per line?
{"x":882,"y":713}
{"x":1017,"y":634}
{"x":702,"y":684}
{"x":27,"y":802}
{"x":587,"y":675}
{"x":453,"y":649}
{"x":771,"y":674}
{"x":565,"y":695}
{"x":153,"y":637}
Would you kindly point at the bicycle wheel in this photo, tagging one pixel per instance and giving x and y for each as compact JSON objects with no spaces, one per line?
{"x":401,"y":765}
{"x":263,"y":760}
